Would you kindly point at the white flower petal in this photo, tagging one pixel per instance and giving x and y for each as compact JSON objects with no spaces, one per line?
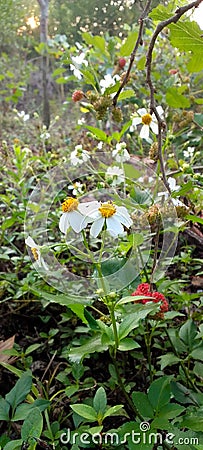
{"x":142,"y":111}
{"x":160,"y":111}
{"x":75,"y":220}
{"x":154,"y":127}
{"x":114,"y":227}
{"x":88,"y":208}
{"x":30,"y":242}
{"x":64,"y":223}
{"x":144,"y":133}
{"x":97,"y":227}
{"x":124,"y":217}
{"x":136,"y":121}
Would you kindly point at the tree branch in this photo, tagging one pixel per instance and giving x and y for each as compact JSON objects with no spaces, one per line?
{"x":132,"y":56}
{"x":174,"y":19}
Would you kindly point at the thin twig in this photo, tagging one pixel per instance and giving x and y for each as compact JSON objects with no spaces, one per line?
{"x":174,"y":19}
{"x":132,"y":56}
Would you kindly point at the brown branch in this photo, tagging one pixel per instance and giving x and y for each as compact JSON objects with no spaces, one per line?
{"x":132,"y":56}
{"x":174,"y":19}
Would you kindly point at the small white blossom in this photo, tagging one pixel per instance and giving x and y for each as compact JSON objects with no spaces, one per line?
{"x":77,"y":188}
{"x":108,"y":81}
{"x":189,"y":153}
{"x":173,"y":187}
{"x":78,"y":60}
{"x":79,"y":156}
{"x":147,"y":120}
{"x":120,"y":153}
{"x":22,"y":115}
{"x":116,"y":175}
{"x":81,"y":121}
{"x":100,"y":145}
{"x":45,"y":136}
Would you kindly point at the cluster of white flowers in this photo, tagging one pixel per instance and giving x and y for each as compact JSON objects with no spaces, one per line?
{"x":108,"y":81}
{"x":115,"y":174}
{"x":189,"y":153}
{"x":173,"y":187}
{"x":147,"y":120}
{"x":77,"y":63}
{"x":79,"y":156}
{"x":77,"y":216}
{"x":77,"y":188}
{"x":22,"y":115}
{"x":120,"y":153}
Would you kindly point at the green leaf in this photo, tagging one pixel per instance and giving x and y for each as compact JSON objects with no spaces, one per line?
{"x":61,"y":299}
{"x":14,"y":445}
{"x":127,"y":344}
{"x":131,"y":321}
{"x":187,"y":334}
{"x":58,"y":71}
{"x":195,"y":64}
{"x":175,"y":99}
{"x":79,"y":310}
{"x":91,"y":320}
{"x":194,"y":422}
{"x":183,"y":190}
{"x":197,"y":353}
{"x":76,"y":354}
{"x":128,"y":46}
{"x":171,"y":410}
{"x":182,"y":394}
{"x":100,"y":401}
{"x":195,"y":219}
{"x":168,"y":360}
{"x":143,"y":404}
{"x":130,"y":299}
{"x":23,"y":409}
{"x":126,"y":94}
{"x":4,"y":410}
{"x":85,"y":411}
{"x":32,"y":348}
{"x":33,"y":425}
{"x":198,"y":370}
{"x":160,"y":392}
{"x":7,"y":223}
{"x":88,"y":77}
{"x":186,"y":36}
{"x":101,"y":135}
{"x":161,"y":12}
{"x":112,"y":411}
{"x":20,"y":390}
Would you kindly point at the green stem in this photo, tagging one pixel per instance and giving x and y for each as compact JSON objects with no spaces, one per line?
{"x":148,"y":341}
{"x":115,"y":331}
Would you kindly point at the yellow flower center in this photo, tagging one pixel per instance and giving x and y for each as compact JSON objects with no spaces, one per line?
{"x":146,"y":119}
{"x":35,"y":253}
{"x":107,"y":209}
{"x":70,"y":204}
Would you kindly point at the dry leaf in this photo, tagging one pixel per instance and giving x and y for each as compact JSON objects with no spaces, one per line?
{"x":6,"y":345}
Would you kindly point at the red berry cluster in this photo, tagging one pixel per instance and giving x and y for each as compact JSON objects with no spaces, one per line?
{"x":144,"y":289}
{"x":77,"y":96}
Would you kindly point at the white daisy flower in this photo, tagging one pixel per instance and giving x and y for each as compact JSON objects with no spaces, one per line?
{"x":116,"y":175}
{"x":79,"y":156}
{"x":114,"y":217}
{"x":120,"y":153}
{"x":35,"y":249}
{"x":77,"y":188}
{"x":189,"y":153}
{"x":75,"y":215}
{"x":147,"y":120}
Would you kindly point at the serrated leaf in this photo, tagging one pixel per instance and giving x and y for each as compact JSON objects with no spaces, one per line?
{"x":85,"y":411}
{"x":187,"y":36}
{"x":79,"y":311}
{"x":128,"y":46}
{"x":195,"y":64}
{"x":101,"y":135}
{"x":161,"y":12}
{"x":76,"y":354}
{"x":175,"y":99}
{"x":126,"y":94}
{"x":61,"y":299}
